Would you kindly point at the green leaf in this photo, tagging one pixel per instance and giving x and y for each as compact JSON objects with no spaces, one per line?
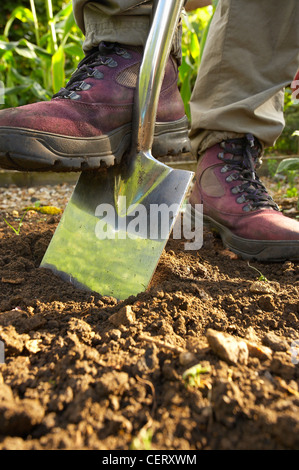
{"x":288,"y":164}
{"x":25,"y":52}
{"x":16,"y":89}
{"x":42,"y":53}
{"x":186,"y":94}
{"x":40,"y":92}
{"x":58,"y":66}
{"x":20,"y":13}
{"x":65,"y":12}
{"x":73,"y":50}
{"x":184,"y":68}
{"x":194,"y":47}
{"x":69,"y":23}
{"x":23,"y":79}
{"x":8,"y":45}
{"x":31,"y":51}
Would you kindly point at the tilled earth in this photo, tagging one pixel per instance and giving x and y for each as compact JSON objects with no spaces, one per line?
{"x":82,"y":371}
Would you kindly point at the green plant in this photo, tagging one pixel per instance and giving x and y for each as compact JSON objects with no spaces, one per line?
{"x":195,"y":28}
{"x":286,"y":143}
{"x":18,"y":229}
{"x":261,"y":276}
{"x":289,"y":164}
{"x":35,"y":66}
{"x":143,"y":441}
{"x":290,"y":167}
{"x":192,"y":376}
{"x":292,"y":192}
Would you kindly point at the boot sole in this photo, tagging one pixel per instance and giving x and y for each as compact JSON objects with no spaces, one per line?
{"x":260,"y":250}
{"x":29,"y":150}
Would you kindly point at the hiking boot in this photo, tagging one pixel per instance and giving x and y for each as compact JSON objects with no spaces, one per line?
{"x":237,"y":206}
{"x":87,"y":124}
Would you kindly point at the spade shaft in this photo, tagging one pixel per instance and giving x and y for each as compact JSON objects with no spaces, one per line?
{"x":118,"y":220}
{"x":166,"y":14}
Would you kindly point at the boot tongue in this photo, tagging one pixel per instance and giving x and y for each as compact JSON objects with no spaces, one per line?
{"x":106,"y":47}
{"x":242,"y":156}
{"x":246,"y":151}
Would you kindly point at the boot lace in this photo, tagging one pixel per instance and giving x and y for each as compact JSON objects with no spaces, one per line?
{"x":87,"y":69}
{"x":244,"y":159}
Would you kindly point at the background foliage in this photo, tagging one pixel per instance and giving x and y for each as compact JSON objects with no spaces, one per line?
{"x":40,"y":46}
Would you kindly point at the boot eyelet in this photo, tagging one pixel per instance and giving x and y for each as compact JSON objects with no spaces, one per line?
{"x":123,"y":53}
{"x":231,"y":178}
{"x":235,"y":189}
{"x":74,"y":96}
{"x":225,"y":169}
{"x":84,"y":86}
{"x":241,"y":199}
{"x":247,"y":208}
{"x":110,"y":62}
{"x":97,"y":74}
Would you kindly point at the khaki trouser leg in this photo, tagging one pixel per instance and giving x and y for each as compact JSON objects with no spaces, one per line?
{"x":251,"y":54}
{"x":124,"y":21}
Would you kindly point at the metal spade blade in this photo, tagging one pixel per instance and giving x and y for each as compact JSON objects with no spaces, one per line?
{"x":117,"y":222}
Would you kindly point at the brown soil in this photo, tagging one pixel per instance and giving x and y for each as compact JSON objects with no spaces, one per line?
{"x":83,"y":371}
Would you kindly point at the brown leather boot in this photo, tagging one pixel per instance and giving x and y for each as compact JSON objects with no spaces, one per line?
{"x":88,"y":123}
{"x":237,"y":206}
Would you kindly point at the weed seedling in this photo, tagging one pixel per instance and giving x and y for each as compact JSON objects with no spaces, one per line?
{"x":16,"y":230}
{"x":192,"y":376}
{"x":143,"y":441}
{"x":261,"y":277}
